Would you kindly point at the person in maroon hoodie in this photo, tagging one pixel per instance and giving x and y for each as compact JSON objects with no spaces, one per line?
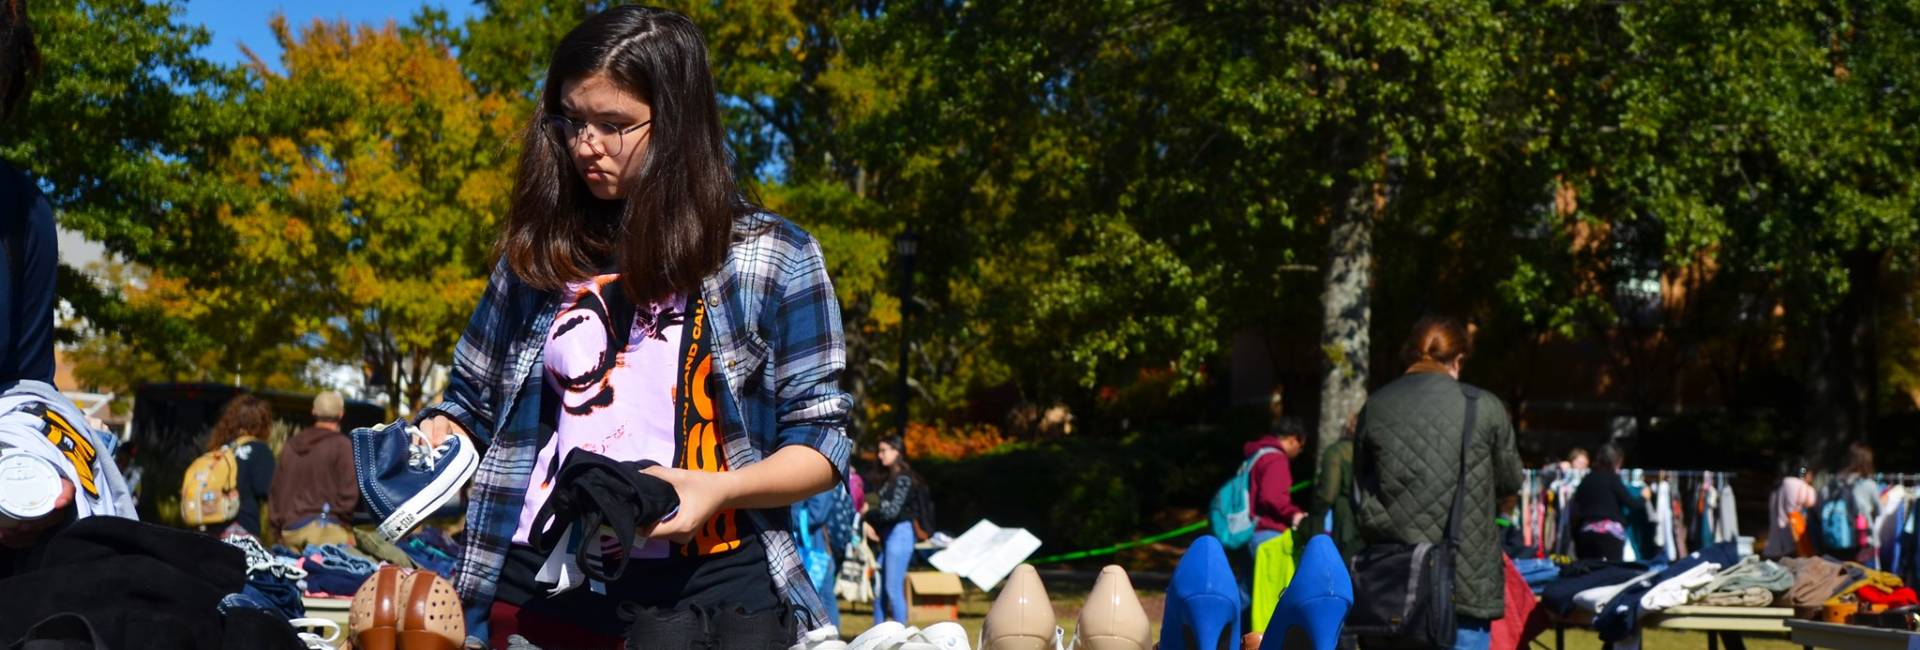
{"x":1271,"y":481}
{"x":314,"y":494}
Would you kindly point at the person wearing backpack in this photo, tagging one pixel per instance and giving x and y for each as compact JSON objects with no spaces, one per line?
{"x":222,"y":489}
{"x":904,"y":512}
{"x":1270,"y":481}
{"x":1850,"y":502}
{"x":1412,"y":437}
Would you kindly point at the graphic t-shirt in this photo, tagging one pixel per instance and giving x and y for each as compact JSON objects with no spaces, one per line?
{"x":638,"y":394}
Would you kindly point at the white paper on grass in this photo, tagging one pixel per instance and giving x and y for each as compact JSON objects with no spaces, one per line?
{"x":986,"y":553}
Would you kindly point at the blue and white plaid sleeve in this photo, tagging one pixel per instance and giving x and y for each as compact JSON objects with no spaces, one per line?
{"x":811,"y":355}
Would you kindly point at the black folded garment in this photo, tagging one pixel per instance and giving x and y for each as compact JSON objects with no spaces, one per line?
{"x":133,"y":585}
{"x":1899,"y":618}
{"x":591,"y":490}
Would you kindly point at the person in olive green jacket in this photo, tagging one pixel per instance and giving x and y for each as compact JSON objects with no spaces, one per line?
{"x":1333,"y":495}
{"x":1407,"y":461}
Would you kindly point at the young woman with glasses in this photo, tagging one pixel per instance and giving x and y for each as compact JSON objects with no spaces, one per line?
{"x":643,"y":309}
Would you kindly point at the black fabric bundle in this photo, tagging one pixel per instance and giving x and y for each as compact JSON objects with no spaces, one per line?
{"x":592,"y":490}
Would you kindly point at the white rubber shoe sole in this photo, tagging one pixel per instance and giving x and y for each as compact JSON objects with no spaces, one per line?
{"x":29,"y":486}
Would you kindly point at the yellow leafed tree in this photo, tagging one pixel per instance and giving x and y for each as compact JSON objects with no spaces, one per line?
{"x":359,"y":212}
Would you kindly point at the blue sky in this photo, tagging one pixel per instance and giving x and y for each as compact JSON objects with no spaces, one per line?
{"x":232,"y":22}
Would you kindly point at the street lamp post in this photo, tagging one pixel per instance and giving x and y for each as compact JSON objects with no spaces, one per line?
{"x":905,"y":246}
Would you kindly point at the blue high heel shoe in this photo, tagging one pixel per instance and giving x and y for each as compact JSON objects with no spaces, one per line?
{"x":1314,"y":607}
{"x":1203,"y":601}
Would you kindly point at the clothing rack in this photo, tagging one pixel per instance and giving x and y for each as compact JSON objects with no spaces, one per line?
{"x":1686,"y":508}
{"x":1668,"y":473}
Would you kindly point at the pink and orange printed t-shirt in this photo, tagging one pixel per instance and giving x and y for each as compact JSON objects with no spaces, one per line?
{"x":617,"y":403}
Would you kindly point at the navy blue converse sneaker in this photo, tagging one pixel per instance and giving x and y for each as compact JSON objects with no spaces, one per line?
{"x":403,"y":480}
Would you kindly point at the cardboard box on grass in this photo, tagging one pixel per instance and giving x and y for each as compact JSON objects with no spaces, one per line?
{"x":933,"y":596}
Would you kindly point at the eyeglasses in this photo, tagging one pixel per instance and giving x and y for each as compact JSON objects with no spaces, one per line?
{"x":605,"y":138}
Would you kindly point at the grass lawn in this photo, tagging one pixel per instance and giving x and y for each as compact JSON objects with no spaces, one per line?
{"x":855,"y":619}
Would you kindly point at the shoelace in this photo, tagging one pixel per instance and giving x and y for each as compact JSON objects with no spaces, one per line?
{"x":424,"y":457}
{"x":315,"y":642}
{"x":259,"y":560}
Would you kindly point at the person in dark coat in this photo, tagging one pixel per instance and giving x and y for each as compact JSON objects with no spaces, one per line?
{"x":1601,"y":507}
{"x":1407,"y":462}
{"x":29,"y":257}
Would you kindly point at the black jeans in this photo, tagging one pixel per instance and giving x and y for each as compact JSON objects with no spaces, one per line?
{"x":1599,"y":546}
{"x":702,"y":628}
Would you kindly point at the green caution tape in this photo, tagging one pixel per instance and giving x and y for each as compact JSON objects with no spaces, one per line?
{"x":1116,"y":548}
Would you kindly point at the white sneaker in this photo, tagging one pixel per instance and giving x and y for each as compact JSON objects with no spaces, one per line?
{"x":29,"y":485}
{"x":946,"y":636}
{"x":882,"y":636}
{"x":305,"y":628}
{"x":891,"y":635}
{"x":825,"y":638}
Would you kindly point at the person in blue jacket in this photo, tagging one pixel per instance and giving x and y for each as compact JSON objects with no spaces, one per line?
{"x":28,"y":257}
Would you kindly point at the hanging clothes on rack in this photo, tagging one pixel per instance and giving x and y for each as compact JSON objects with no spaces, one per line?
{"x":1729,"y":515}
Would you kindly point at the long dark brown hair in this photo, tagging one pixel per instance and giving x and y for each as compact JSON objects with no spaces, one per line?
{"x":1859,"y":460}
{"x":900,"y":464}
{"x":676,"y":219}
{"x":244,"y":415}
{"x":19,"y":59}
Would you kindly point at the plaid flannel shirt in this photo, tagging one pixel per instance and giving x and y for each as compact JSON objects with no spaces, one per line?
{"x":778,"y":346}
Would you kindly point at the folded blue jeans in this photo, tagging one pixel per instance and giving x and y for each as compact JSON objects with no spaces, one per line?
{"x":1473,"y":633}
{"x":341,"y":557}
{"x":1537,"y":572}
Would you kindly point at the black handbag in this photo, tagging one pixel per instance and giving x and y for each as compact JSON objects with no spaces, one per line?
{"x":1403,"y":593}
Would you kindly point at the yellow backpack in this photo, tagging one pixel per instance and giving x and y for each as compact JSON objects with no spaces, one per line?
{"x":210,"y":491}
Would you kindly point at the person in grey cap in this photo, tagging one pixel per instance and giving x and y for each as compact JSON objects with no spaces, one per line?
{"x":314,"y":494}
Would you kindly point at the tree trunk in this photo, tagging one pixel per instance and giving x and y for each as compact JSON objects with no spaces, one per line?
{"x":1347,"y":301}
{"x":1842,"y":372}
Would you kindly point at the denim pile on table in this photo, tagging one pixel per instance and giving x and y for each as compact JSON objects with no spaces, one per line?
{"x":332,"y":569}
{"x":433,"y":550}
{"x":1537,"y":573}
{"x":273,"y":582}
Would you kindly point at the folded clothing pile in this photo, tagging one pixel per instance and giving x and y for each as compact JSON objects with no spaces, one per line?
{"x":109,"y":582}
{"x":1898,"y":597}
{"x":1620,"y":618}
{"x":273,"y":583}
{"x":1754,"y":582}
{"x":1563,"y":595}
{"x":1817,"y":580}
{"x":335,"y":570}
{"x":427,"y":556}
{"x":1537,"y":573}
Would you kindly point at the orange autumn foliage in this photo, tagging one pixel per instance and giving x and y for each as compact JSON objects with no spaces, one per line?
{"x":945,"y":442}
